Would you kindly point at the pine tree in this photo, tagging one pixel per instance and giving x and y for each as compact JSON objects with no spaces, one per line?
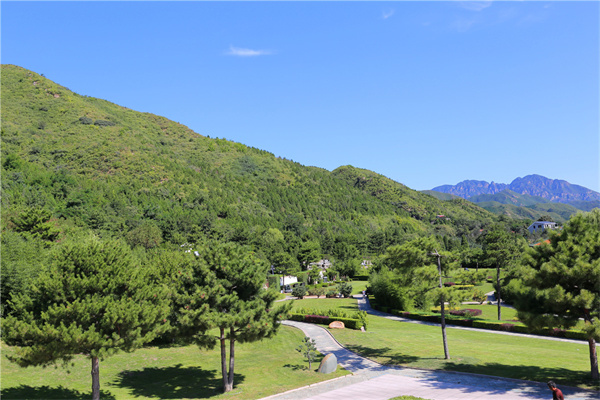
{"x":93,"y":300}
{"x":308,"y":348}
{"x":559,"y":283}
{"x":501,"y":249}
{"x":223,"y":288}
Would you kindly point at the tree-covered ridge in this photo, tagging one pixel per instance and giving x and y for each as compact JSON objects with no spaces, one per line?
{"x":96,"y":165}
{"x":455,"y":217}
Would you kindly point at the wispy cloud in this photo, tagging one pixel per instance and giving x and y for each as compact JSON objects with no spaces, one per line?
{"x":240,"y":52}
{"x":476,"y":5}
{"x":388,"y":13}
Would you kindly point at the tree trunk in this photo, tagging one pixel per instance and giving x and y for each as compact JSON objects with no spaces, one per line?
{"x":226,"y":386}
{"x":498,"y":290}
{"x":95,"y":378}
{"x":231,"y":358}
{"x":593,"y":359}
{"x":442,"y":306}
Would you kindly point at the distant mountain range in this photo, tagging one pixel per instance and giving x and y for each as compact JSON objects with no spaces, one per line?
{"x":528,"y":197}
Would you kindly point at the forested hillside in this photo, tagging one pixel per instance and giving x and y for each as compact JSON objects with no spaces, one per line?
{"x":79,"y":163}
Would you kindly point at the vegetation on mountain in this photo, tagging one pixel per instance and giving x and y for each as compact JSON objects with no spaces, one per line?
{"x":93,"y":165}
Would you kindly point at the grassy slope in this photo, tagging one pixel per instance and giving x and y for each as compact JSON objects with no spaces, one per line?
{"x":171,"y":373}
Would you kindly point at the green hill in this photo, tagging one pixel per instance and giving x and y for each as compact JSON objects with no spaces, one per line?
{"x":95,"y":165}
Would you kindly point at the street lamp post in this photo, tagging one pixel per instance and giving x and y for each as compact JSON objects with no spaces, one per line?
{"x":442,"y":305}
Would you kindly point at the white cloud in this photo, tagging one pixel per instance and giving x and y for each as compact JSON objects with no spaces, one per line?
{"x":239,"y":52}
{"x":475,"y":5}
{"x":387,"y":14}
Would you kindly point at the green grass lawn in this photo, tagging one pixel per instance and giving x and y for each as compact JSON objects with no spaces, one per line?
{"x":486,"y":287}
{"x":358,"y":286}
{"x":420,"y":346}
{"x":491,"y":312}
{"x":348,"y":305}
{"x":262,"y":369}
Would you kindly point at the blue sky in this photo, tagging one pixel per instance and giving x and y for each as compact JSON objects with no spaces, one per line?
{"x":426,"y":93}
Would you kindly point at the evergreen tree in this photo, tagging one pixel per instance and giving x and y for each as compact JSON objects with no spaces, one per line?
{"x":285,"y":264}
{"x":418,"y":271}
{"x":308,"y":349}
{"x":93,"y":300}
{"x":501,"y":249}
{"x":559,"y":283}
{"x":223,"y":288}
{"x":310,"y":251}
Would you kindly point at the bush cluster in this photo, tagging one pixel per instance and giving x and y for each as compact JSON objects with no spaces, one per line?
{"x":468,"y":312}
{"x":101,"y":122}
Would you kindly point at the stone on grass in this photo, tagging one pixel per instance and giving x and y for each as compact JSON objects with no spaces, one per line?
{"x":328,"y":364}
{"x":337,"y":325}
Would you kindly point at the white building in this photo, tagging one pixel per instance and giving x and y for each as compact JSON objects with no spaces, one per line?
{"x":541,"y":225}
{"x":288,"y":280}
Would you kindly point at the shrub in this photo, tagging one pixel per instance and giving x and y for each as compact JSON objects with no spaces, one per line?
{"x":507,"y":327}
{"x":101,"y":122}
{"x":319,"y":292}
{"x":468,"y":312}
{"x":86,"y":120}
{"x":387,"y":293}
{"x":331,"y":293}
{"x":299,"y":291}
{"x":479,"y":296}
{"x":317,"y":319}
{"x":345,"y":289}
{"x":273,"y":282}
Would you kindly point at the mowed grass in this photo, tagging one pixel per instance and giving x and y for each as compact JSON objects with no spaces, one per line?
{"x":262,"y":369}
{"x":358,"y":286}
{"x":348,"y":305}
{"x":491,"y":312}
{"x":420,"y":346}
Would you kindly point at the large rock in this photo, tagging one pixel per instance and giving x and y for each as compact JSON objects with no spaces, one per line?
{"x":328,"y":364}
{"x":337,"y":325}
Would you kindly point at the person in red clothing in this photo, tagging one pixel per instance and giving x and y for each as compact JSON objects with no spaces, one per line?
{"x":556,"y":392}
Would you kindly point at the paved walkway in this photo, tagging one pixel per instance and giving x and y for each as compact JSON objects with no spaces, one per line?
{"x":373,"y":381}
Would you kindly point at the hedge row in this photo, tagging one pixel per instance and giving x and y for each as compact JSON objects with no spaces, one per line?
{"x":322,"y":320}
{"x":481,"y":324}
{"x":467,"y":312}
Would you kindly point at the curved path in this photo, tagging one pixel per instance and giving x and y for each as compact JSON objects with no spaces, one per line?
{"x":373,"y":381}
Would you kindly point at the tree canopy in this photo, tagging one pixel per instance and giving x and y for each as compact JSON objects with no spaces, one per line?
{"x":93,"y":300}
{"x":222,"y":288}
{"x":558,"y":283}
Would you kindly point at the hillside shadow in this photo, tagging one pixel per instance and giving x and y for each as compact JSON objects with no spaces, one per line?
{"x":384,"y":352}
{"x":47,"y":392}
{"x":561,"y":376}
{"x":174,"y":382}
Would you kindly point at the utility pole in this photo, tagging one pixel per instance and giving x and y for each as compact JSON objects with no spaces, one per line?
{"x":446,"y":352}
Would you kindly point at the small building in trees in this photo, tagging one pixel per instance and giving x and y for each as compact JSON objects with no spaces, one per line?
{"x":323,"y":264}
{"x":541,"y":225}
{"x":288,"y":279}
